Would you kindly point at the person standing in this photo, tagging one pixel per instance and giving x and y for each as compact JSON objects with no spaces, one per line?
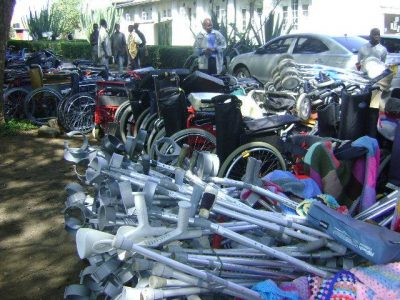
{"x":118,"y":46}
{"x":209,"y":46}
{"x":104,"y":45}
{"x":373,"y":48}
{"x":133,"y":47}
{"x":142,"y":46}
{"x":94,"y":36}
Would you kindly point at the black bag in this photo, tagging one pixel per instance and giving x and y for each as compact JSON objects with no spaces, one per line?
{"x":328,"y":117}
{"x":356,"y":117}
{"x":199,"y":82}
{"x":229,"y":124}
{"x":173,"y":109}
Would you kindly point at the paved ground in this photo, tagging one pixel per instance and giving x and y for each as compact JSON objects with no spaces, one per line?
{"x":38,"y":257}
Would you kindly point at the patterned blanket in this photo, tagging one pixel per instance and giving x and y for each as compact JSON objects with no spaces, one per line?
{"x":346,"y":180}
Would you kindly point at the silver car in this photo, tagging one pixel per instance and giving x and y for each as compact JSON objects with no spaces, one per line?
{"x":340,"y":52}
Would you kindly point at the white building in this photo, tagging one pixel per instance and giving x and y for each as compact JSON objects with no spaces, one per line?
{"x":175,"y":22}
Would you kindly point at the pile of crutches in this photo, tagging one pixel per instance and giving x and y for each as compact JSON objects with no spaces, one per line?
{"x":152,"y":231}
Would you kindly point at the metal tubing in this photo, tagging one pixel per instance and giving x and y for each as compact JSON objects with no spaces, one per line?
{"x":129,"y":245}
{"x":259,"y":246}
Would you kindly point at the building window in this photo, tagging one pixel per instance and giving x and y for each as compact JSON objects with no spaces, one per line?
{"x":182,"y":11}
{"x":222,"y":13}
{"x":305,"y":10}
{"x":295,"y":13}
{"x":285,"y":16}
{"x":244,"y":23}
{"x":259,"y":11}
{"x":189,"y":13}
{"x":145,"y":15}
{"x":169,"y":13}
{"x":164,"y":13}
{"x":217,"y":12}
{"x":128,"y":17}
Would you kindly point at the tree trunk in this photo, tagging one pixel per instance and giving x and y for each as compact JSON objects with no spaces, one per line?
{"x":5,"y":20}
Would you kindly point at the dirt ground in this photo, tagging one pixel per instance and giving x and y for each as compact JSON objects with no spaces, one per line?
{"x":38,"y":257}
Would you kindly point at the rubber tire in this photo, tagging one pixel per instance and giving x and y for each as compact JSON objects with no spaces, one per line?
{"x":126,"y":122}
{"x":148,"y":120}
{"x":242,"y":72}
{"x":32,"y":94}
{"x":140,"y":119}
{"x":160,"y":134}
{"x":250,"y":146}
{"x":153,"y":134}
{"x":303,"y":107}
{"x":120,"y":110}
{"x":16,"y":96}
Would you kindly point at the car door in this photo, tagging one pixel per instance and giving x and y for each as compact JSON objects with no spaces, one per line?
{"x":311,"y":50}
{"x":265,"y":58}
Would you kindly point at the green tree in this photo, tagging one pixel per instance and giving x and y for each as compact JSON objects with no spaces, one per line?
{"x":49,"y":19}
{"x":89,"y":17}
{"x":5,"y":20}
{"x":70,"y":14}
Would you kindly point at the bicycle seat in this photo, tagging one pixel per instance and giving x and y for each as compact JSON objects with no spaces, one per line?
{"x":270,"y":123}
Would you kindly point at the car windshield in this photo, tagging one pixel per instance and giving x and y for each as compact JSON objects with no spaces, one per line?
{"x":351,"y":43}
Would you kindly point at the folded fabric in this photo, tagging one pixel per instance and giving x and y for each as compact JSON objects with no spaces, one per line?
{"x":289,"y":183}
{"x":328,"y":200}
{"x":270,"y":291}
{"x":299,"y":286}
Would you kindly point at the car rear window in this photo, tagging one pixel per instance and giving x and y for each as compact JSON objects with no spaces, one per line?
{"x":392,"y":44}
{"x":351,"y":43}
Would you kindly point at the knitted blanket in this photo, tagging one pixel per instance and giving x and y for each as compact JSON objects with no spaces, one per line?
{"x":378,"y":282}
{"x":345,"y":180}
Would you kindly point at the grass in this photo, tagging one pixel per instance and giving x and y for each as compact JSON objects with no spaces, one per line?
{"x":13,"y":127}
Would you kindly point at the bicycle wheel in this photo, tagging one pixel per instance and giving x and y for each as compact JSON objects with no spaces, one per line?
{"x":13,"y":101}
{"x":41,"y":105}
{"x":197,"y":140}
{"x":234,"y":167}
{"x":78,"y":114}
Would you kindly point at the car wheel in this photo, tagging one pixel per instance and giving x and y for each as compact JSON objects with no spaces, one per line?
{"x":242,"y":72}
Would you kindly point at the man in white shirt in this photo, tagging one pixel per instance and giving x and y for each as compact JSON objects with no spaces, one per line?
{"x":104,"y":44}
{"x":373,"y":48}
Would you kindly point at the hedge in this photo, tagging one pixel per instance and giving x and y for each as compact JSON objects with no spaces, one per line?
{"x":159,"y":56}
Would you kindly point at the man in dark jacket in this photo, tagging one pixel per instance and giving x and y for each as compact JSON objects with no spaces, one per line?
{"x":94,"y":36}
{"x":118,"y":46}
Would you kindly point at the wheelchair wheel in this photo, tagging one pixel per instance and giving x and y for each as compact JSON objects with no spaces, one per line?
{"x":127,"y":123}
{"x":78,"y":113}
{"x":234,"y":167}
{"x":41,"y":105}
{"x":13,"y":101}
{"x":120,"y":110}
{"x":157,"y":127}
{"x":197,"y":140}
{"x":140,"y":119}
{"x":152,"y":152}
